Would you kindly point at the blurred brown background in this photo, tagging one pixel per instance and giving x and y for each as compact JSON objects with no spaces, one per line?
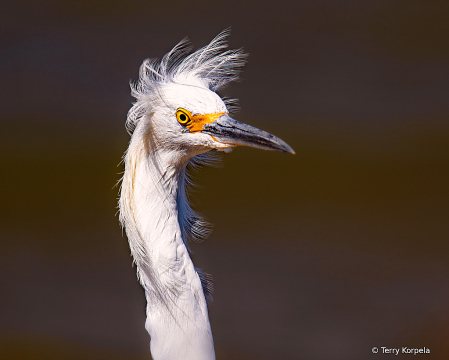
{"x":321,"y":255}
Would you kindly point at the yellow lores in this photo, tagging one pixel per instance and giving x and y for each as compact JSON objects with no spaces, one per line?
{"x":195,"y":122}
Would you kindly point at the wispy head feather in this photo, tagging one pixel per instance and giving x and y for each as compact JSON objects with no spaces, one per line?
{"x":210,"y":67}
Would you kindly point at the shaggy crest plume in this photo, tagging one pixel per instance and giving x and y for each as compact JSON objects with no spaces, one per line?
{"x":210,"y":67}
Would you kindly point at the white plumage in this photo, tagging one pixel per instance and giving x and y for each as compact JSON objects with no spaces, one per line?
{"x":175,"y":121}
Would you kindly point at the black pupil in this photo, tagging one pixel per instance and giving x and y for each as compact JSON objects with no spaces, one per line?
{"x":182,"y":117}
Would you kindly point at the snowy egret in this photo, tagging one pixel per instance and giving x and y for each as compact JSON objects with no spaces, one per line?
{"x":177,"y":118}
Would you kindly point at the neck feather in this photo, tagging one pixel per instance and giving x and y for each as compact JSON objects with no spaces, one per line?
{"x":152,"y":204}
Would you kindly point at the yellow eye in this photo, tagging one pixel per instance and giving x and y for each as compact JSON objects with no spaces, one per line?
{"x":184,"y":117}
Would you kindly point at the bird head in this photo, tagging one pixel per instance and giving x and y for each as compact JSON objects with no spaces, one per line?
{"x":179,"y":110}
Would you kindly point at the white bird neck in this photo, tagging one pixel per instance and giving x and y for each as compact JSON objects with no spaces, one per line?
{"x":152,"y":196}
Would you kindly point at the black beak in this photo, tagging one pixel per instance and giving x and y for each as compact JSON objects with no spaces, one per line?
{"x":229,"y":131}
